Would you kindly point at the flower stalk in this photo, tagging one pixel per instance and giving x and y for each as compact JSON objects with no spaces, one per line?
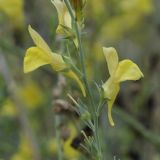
{"x":81,"y":52}
{"x":92,"y":107}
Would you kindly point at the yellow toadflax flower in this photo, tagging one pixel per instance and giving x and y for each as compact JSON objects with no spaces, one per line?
{"x":24,"y":150}
{"x":119,"y":72}
{"x":41,"y":54}
{"x":65,"y":21}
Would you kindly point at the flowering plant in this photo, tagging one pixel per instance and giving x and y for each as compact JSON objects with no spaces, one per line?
{"x":70,"y":27}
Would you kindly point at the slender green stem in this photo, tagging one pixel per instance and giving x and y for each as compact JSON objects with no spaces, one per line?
{"x":58,"y":138}
{"x":78,"y":34}
{"x":92,"y":108}
{"x":72,"y":64}
{"x":83,"y":66}
{"x":96,"y":133}
{"x":96,"y":121}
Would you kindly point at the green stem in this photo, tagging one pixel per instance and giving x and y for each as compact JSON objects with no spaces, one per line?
{"x":96,"y":134}
{"x":58,"y":138}
{"x":96,"y":121}
{"x":78,"y":34}
{"x":92,"y":107}
{"x":72,"y":64}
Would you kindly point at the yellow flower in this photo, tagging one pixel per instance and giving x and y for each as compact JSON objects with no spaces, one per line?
{"x":8,"y":108}
{"x":41,"y":54}
{"x":31,"y":95}
{"x":65,"y":21}
{"x":69,"y":152}
{"x":119,"y":72}
{"x":14,"y":10}
{"x":24,"y":150}
{"x":133,"y":12}
{"x":52,"y":146}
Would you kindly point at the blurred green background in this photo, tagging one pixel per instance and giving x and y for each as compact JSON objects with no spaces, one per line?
{"x":26,"y":100}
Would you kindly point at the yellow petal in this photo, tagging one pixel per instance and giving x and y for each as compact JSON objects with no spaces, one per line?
{"x":67,"y":19}
{"x":54,"y":59}
{"x":57,"y":62}
{"x":60,"y":7}
{"x":38,"y":40}
{"x":63,"y":14}
{"x":70,"y":152}
{"x":73,"y":76}
{"x":111,"y":90}
{"x":127,"y":70}
{"x":110,"y":105}
{"x":111,"y":58}
{"x":34,"y":58}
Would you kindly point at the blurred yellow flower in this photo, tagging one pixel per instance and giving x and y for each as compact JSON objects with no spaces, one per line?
{"x":131,"y":13}
{"x":95,"y":9}
{"x":24,"y":150}
{"x":52,"y":146}
{"x":119,"y":72}
{"x":142,"y":7}
{"x":69,"y":152}
{"x":14,"y":10}
{"x":31,"y":95}
{"x":8,"y":108}
{"x":41,"y":54}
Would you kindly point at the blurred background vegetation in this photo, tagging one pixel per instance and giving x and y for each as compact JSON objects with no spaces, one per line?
{"x":27,"y":117}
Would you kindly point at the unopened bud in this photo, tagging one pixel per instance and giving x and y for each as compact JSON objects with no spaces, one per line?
{"x":78,"y":6}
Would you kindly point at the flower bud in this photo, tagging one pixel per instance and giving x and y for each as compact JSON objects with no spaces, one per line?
{"x":78,"y":6}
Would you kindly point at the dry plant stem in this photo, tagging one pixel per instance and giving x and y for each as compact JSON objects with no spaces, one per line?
{"x":24,"y":121}
{"x":92,"y":107}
